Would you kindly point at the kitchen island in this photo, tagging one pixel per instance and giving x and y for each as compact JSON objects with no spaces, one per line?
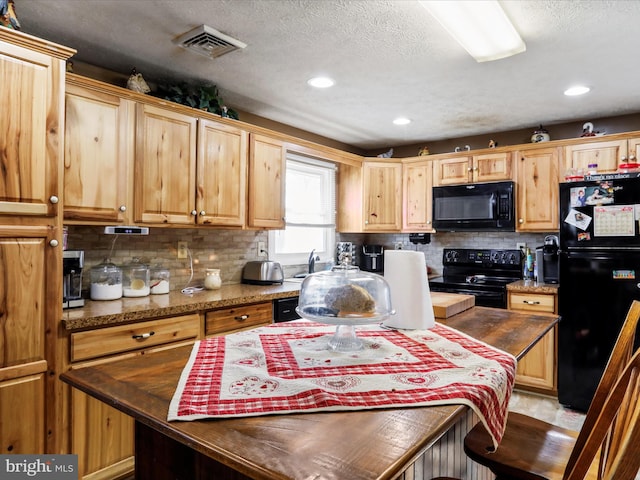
{"x":374,"y":444}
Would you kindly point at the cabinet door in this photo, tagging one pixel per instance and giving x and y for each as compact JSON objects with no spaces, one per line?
{"x":537,"y":369}
{"x":633,"y":151}
{"x":98,"y":155}
{"x":349,"y":201}
{"x":606,"y":155}
{"x":165,"y":166}
{"x":22,"y":294}
{"x":417,"y":207}
{"x":452,"y":171}
{"x":382,"y":196}
{"x":22,"y":429}
{"x":24,"y":307}
{"x":29,"y":124}
{"x":537,"y":190}
{"x":267,"y":163}
{"x":492,"y":167}
{"x":222,"y":174}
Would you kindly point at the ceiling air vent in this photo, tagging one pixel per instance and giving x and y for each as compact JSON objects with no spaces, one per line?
{"x":208,"y":42}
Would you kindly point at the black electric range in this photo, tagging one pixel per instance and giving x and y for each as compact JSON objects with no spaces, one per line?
{"x":481,"y":272}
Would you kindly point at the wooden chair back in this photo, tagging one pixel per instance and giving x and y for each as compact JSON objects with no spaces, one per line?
{"x":615,"y":434}
{"x":620,"y":356}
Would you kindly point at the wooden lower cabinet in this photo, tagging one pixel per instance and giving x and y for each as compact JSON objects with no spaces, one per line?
{"x":101,"y":436}
{"x":22,"y":415}
{"x":537,"y":369}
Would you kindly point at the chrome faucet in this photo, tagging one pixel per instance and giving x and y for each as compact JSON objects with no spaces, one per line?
{"x":312,"y":261}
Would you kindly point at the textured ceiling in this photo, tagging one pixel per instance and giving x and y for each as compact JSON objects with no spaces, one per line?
{"x":389,"y":58}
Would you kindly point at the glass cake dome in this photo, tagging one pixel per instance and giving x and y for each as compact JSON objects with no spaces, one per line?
{"x":345,"y":296}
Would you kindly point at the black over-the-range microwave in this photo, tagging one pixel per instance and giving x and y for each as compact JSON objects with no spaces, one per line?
{"x":476,"y":207}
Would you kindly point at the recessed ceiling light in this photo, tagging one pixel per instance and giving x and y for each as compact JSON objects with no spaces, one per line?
{"x":401,"y":121}
{"x":321,"y":82}
{"x":577,"y":90}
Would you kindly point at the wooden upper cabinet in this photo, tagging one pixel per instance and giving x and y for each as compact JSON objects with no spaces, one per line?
{"x":267,"y":163}
{"x":417,"y":196}
{"x":98,"y":155}
{"x":488,"y":167}
{"x":221,"y":174}
{"x":382,"y":196}
{"x":606,"y":154}
{"x":349,"y":199}
{"x":537,"y":179}
{"x":165,"y":166}
{"x":30,"y":125}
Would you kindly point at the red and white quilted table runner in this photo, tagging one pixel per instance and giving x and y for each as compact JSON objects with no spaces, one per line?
{"x":287,"y":368}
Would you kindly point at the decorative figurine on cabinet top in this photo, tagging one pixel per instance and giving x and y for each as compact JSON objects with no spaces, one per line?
{"x":493,"y":143}
{"x":423,"y":151}
{"x":388,"y":154}
{"x":587,"y":131}
{"x":8,"y":16}
{"x":137,"y":83}
{"x":540,"y":135}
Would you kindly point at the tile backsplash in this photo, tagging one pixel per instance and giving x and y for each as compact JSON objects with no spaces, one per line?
{"x":229,"y":250}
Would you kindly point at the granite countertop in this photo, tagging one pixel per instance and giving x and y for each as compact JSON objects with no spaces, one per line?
{"x":532,"y":286}
{"x":123,"y":310}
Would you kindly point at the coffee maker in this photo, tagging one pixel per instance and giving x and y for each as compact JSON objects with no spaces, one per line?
{"x":72,"y":265}
{"x":372,"y":258}
{"x":547,"y":260}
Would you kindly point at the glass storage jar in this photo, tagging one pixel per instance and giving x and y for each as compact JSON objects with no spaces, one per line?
{"x":135,"y":279}
{"x":159,"y":280}
{"x":212,"y":280}
{"x":106,"y":281}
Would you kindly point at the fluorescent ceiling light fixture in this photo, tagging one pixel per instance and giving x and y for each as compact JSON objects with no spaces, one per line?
{"x":481,"y":27}
{"x":321,"y":82}
{"x":576,"y":90}
{"x":401,"y":121}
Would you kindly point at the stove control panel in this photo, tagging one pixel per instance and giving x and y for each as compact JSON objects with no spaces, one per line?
{"x":484,"y":257}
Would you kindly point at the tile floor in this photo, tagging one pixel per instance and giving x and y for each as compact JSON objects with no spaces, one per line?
{"x":546,"y":408}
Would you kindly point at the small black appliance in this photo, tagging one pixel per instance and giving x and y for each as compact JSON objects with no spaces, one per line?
{"x":547,"y":259}
{"x":372,"y":258}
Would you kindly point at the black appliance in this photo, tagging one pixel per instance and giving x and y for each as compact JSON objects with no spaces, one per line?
{"x":599,"y":277}
{"x":477,"y":207}
{"x":284,"y":309}
{"x":72,"y":266}
{"x":372,"y":258}
{"x":547,"y":260}
{"x":479,"y":272}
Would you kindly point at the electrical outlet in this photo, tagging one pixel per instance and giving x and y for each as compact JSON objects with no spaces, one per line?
{"x":182,"y":249}
{"x":262,"y":249}
{"x":398,"y":246}
{"x":521,"y":246}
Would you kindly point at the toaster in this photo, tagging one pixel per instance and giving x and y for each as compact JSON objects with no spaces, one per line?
{"x":262,"y":273}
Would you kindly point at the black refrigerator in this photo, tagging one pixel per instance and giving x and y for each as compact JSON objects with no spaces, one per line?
{"x":599,"y":277}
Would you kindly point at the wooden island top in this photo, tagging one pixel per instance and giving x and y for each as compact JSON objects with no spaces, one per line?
{"x":371,"y":444}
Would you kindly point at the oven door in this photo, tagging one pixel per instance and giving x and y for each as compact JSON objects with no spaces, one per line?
{"x":496,"y":298}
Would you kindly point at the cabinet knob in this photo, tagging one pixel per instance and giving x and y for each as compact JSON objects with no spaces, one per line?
{"x":123,"y":208}
{"x":521,"y":220}
{"x":54,"y":242}
{"x":202,"y":213}
{"x":53,"y":199}
{"x":428,"y":222}
{"x":194,"y":213}
{"x":531,"y":302}
{"x":469,"y":169}
{"x":241,"y":317}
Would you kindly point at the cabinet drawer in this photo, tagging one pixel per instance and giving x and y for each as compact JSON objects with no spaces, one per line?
{"x":237,"y":318}
{"x":124,"y":338}
{"x":532,"y":302}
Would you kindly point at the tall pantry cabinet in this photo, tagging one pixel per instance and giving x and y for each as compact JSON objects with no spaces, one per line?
{"x":32,"y":73}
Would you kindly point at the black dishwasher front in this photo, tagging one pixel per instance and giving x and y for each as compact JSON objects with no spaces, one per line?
{"x":284,"y":309}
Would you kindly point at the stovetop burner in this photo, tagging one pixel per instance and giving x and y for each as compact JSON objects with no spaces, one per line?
{"x":484,"y":273}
